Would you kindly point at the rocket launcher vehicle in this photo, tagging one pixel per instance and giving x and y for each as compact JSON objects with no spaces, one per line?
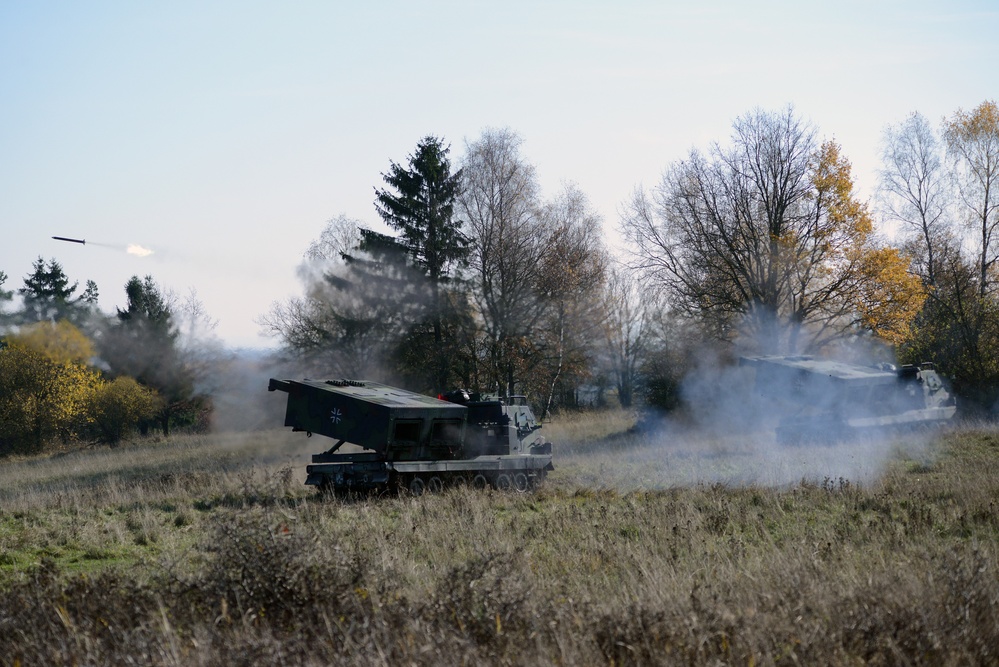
{"x":414,"y":441}
{"x":826,"y":400}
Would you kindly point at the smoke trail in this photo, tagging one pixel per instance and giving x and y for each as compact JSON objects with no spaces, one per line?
{"x":131,"y":248}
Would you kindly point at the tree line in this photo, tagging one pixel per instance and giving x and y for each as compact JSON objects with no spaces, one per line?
{"x":759,"y":245}
{"x":71,"y":373}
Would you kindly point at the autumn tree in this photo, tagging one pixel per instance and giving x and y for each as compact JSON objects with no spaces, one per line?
{"x":60,"y":341}
{"x":45,"y":386}
{"x":765,"y":242}
{"x":118,"y":406}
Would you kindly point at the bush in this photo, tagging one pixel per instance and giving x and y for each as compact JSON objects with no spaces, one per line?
{"x":117,"y":407}
{"x":41,"y":399}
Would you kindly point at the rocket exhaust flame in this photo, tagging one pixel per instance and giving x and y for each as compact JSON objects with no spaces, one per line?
{"x":138,"y":250}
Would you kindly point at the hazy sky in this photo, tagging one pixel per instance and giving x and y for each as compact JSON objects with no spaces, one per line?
{"x":222,"y":135}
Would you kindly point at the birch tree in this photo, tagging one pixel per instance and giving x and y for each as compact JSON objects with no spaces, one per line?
{"x":500,"y":202}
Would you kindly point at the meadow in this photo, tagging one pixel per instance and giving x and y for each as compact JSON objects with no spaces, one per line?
{"x":647,"y":546}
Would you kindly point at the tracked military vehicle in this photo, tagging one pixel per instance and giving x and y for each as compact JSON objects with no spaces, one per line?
{"x":828,"y":401}
{"x":413,"y":441}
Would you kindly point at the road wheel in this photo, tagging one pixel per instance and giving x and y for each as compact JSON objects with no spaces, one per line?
{"x":417,"y":486}
{"x":480,"y":481}
{"x":435,"y":484}
{"x":521,"y":482}
{"x":503,"y":482}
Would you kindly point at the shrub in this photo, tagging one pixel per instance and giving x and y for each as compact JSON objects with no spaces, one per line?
{"x":41,"y":398}
{"x":117,"y":407}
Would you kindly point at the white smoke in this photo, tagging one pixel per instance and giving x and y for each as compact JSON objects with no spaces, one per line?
{"x":138,"y":250}
{"x":725,"y":434}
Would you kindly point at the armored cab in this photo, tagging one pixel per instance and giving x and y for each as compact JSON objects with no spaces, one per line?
{"x":412,"y":440}
{"x":825,"y":401}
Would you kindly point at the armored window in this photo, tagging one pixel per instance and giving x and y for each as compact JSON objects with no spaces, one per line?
{"x":483,"y":413}
{"x":446,"y":430}
{"x":408,"y":429}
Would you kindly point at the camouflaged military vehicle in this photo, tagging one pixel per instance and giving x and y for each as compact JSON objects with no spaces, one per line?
{"x":829,"y":401}
{"x":413,"y":441}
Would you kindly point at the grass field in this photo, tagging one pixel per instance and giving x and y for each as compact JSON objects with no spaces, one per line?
{"x":658,"y":547}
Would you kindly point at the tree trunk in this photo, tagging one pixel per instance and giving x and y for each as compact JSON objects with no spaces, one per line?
{"x":558,"y":369}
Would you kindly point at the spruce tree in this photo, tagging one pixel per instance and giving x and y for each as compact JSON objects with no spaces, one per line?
{"x":419,"y":204}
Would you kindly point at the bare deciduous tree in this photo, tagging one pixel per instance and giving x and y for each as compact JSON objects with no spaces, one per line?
{"x":625,"y":330}
{"x":571,"y":274}
{"x":339,"y":238}
{"x":355,"y":310}
{"x":973,"y":144}
{"x":499,"y":202}
{"x":959,"y":325}
{"x":914,"y":189}
{"x":765,"y":241}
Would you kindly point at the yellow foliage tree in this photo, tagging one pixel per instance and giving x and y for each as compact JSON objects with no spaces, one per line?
{"x":41,"y":399}
{"x":48,"y":392}
{"x":60,"y":342}
{"x":876,"y":289}
{"x":890,"y":296}
{"x":117,"y":406}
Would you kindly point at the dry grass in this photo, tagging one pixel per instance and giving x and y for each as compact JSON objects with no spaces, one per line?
{"x":643,"y":549}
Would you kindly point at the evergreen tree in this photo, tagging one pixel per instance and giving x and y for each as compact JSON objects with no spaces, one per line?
{"x":143,"y":344}
{"x":421,"y":208}
{"x":419,"y":204}
{"x":147,"y":308}
{"x":48,"y":294}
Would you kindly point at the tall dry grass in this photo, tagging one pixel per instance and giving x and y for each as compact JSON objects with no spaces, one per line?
{"x":237,"y":564}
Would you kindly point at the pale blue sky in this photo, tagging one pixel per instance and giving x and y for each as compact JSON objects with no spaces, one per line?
{"x":223,"y":135}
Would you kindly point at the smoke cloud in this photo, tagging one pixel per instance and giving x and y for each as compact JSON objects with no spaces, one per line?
{"x":352,"y":316}
{"x":138,"y":250}
{"x":725,"y":433}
